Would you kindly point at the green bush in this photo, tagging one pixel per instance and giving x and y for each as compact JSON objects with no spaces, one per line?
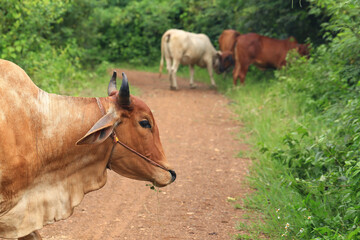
{"x":27,"y":38}
{"x":25,"y":25}
{"x":316,"y":161}
{"x":130,"y":31}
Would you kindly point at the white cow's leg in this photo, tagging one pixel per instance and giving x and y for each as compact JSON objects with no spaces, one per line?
{"x":210,"y":71}
{"x":32,"y":236}
{"x":192,"y":84}
{"x":174,"y":68}
{"x":168,"y":67}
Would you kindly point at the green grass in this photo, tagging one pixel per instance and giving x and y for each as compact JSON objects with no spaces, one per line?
{"x":266,"y":116}
{"x":294,"y":147}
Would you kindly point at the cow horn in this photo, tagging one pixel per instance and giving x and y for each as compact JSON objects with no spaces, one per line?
{"x":112,"y":84}
{"x":124,"y":93}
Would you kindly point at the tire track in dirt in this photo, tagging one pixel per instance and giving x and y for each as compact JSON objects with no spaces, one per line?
{"x":198,"y":135}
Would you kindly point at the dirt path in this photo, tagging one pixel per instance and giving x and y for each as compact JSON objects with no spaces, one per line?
{"x":197,"y":134}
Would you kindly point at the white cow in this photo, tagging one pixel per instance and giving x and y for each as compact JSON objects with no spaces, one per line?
{"x":186,"y":48}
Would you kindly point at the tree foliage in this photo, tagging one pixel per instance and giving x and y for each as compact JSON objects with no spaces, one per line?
{"x":118,"y":30}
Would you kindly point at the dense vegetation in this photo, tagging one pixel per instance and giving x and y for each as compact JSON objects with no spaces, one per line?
{"x":92,"y":31}
{"x":306,"y":124}
{"x":303,"y":120}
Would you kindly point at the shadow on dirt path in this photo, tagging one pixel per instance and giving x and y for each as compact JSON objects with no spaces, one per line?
{"x":198,"y":136}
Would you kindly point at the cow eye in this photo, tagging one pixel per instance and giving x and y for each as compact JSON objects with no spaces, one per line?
{"x":145,"y":124}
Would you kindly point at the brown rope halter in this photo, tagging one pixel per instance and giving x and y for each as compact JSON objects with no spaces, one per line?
{"x":116,"y":140}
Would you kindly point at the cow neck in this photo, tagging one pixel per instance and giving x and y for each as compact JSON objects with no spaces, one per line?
{"x":116,"y":140}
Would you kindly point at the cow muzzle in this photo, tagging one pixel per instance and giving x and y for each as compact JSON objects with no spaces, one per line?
{"x":163,"y":179}
{"x":173,"y":175}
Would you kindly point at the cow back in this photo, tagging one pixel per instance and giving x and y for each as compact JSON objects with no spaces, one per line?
{"x":227,"y":40}
{"x":263,"y":51}
{"x":189,"y":48}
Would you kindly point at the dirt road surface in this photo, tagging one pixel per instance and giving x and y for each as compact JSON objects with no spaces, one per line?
{"x":197,"y":131}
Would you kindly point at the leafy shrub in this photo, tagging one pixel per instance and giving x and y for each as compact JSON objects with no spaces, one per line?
{"x":319,"y":153}
{"x":25,"y":25}
{"x":28,"y":40}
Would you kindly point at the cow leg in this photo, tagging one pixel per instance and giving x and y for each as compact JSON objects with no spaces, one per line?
{"x":168,"y":67}
{"x":192,"y":84}
{"x":32,"y":236}
{"x":240,"y":70}
{"x":210,"y":71}
{"x":174,"y":68}
{"x":243,"y":73}
{"x":236,"y":73}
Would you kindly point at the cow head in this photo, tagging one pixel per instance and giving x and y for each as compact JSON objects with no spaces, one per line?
{"x":226,"y":61}
{"x":303,"y":49}
{"x":216,"y":62}
{"x":133,"y":123}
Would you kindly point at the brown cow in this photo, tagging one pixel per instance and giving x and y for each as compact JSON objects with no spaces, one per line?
{"x":263,"y":52}
{"x":54,"y":149}
{"x":227,"y":41}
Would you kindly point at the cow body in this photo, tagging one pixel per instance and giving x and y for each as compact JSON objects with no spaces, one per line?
{"x":186,"y":48}
{"x":263,"y":52}
{"x":227,"y":40}
{"x":46,"y":162}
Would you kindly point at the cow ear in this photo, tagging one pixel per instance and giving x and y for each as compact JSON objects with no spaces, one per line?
{"x":101,"y":130}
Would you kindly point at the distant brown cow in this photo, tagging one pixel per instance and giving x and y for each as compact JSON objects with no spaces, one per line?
{"x":227,"y":41}
{"x":263,"y":52}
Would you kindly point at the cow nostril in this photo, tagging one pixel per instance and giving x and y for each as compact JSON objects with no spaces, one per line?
{"x":173,"y":175}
